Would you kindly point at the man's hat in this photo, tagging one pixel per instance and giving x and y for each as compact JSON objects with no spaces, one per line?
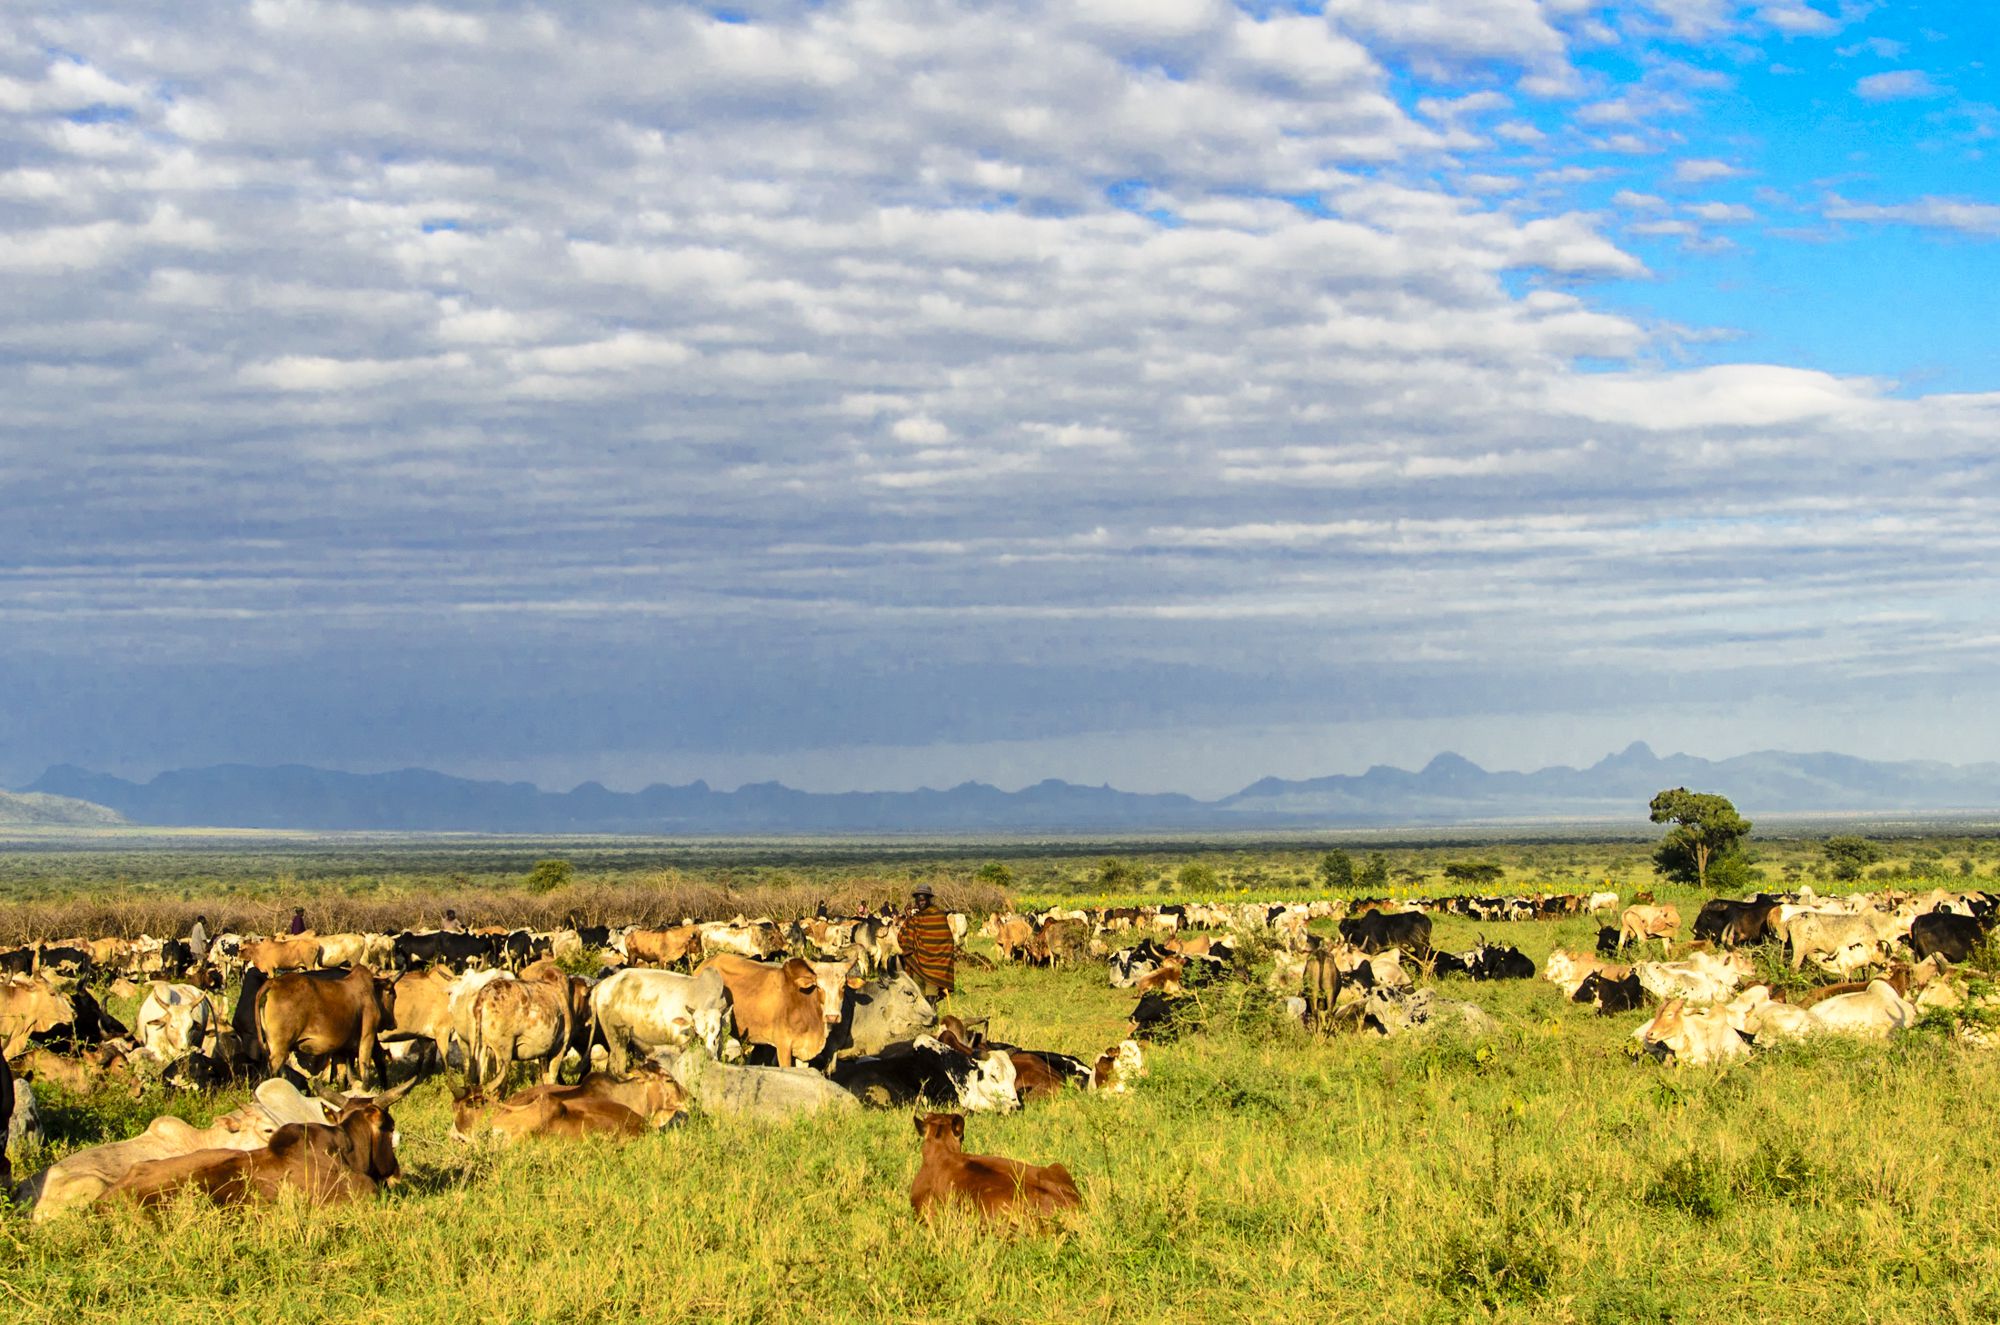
{"x":922,"y":890}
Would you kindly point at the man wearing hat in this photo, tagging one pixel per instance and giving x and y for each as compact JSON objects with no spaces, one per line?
{"x":929,"y":952}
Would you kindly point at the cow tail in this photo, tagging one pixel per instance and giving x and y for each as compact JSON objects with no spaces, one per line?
{"x":475,"y":1055}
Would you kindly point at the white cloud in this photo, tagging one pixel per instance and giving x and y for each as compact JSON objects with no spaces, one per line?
{"x":1721,"y":212}
{"x":1897,"y":85}
{"x":1700,"y":170}
{"x":589,"y":328}
{"x":1980,"y":219}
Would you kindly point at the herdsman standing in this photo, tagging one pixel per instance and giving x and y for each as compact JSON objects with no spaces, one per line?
{"x":929,"y":952}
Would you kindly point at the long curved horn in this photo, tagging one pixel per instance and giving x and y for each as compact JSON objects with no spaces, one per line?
{"x":395,"y":1093}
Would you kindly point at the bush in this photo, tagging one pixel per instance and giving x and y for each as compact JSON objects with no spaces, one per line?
{"x":1197,"y":876}
{"x":549,"y":875}
{"x":996,"y":874}
{"x":1336,"y":870}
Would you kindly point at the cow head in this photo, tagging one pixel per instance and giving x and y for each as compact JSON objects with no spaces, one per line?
{"x":372,"y":1132}
{"x":947,"y":1129}
{"x":990,"y":1088}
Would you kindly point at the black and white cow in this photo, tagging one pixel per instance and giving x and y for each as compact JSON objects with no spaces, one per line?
{"x":933,"y":1073}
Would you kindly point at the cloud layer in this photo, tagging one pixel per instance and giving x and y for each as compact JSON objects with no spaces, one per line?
{"x":960,"y":369}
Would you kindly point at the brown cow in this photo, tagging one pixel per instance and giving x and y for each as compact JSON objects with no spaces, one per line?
{"x":1012,"y":935}
{"x":28,"y":1006}
{"x":663,"y":947}
{"x":518,"y":1020}
{"x":649,"y":1090}
{"x":81,"y":1074}
{"x":345,"y":1160}
{"x":422,"y":1000}
{"x":341,"y":1019}
{"x":1649,"y":922}
{"x":544,"y":1115}
{"x":1165,"y":979}
{"x":299,"y":953}
{"x":775,"y":1005}
{"x":993,"y":1185}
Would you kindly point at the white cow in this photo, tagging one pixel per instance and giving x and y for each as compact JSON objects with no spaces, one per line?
{"x":1703,"y":976}
{"x":174,"y":1021}
{"x":660,"y":1010}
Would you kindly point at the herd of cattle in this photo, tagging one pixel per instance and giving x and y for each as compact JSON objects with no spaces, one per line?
{"x":764,"y":1019}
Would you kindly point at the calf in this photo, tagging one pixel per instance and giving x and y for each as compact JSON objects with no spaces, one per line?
{"x":1610,"y":994}
{"x":993,"y":1186}
{"x":1320,"y":987}
{"x":663,"y":947}
{"x":1649,"y":922}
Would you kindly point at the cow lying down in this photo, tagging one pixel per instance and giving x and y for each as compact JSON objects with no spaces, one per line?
{"x":599,"y":1105}
{"x":1725,"y":1032}
{"x":766,"y":1093}
{"x":349,"y":1157}
{"x":934,"y":1072}
{"x":81,"y":1178}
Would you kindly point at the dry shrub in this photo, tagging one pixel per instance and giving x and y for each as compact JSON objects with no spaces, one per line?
{"x":666,"y":898}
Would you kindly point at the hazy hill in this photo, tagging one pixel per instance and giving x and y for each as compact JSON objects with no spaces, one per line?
{"x":1449,"y":789}
{"x":39,"y":809}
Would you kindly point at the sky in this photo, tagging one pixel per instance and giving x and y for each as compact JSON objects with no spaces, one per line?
{"x":1160,"y":392}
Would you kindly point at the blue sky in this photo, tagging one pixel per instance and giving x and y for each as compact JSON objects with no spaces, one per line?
{"x":892,"y":392}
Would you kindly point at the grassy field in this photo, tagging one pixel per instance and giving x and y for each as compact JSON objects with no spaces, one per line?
{"x":1256,"y":1173}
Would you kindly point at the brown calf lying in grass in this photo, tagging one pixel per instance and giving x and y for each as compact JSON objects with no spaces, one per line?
{"x":993,"y":1185}
{"x":598,"y":1105}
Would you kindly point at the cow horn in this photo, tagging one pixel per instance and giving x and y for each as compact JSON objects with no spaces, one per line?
{"x":394,"y":1093}
{"x":336,"y":1099}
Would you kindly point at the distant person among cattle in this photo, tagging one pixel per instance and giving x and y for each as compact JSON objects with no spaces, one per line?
{"x":298,"y":920}
{"x":452,"y":924}
{"x":197,"y":939}
{"x":929,"y":951}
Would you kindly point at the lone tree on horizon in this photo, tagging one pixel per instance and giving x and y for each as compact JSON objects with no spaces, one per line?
{"x":1706,"y":829}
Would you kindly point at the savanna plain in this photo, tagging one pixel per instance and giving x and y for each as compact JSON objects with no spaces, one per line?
{"x":1257,"y":1172}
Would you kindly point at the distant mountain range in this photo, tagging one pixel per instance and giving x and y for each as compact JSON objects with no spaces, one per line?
{"x":1447,"y":790}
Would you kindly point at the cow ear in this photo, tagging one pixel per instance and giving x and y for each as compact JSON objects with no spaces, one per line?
{"x":855,"y":982}
{"x":958,"y":1125}
{"x":918,"y":1119}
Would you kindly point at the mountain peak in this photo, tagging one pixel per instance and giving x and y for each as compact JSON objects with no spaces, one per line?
{"x":1636,"y":753}
{"x":1449,"y":766}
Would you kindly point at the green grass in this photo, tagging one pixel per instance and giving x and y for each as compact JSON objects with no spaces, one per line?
{"x":1256,"y":1174}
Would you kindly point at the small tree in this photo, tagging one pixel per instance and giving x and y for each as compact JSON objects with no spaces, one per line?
{"x":1847,"y":856}
{"x":1374,"y":876}
{"x":1705,"y":827}
{"x":1474,"y":873}
{"x":997,"y":874}
{"x":549,"y":875}
{"x":1336,"y":869}
{"x":1198,"y":877}
{"x":1114,"y":873}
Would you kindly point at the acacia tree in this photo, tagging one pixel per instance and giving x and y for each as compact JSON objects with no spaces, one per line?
{"x":1706,"y":830}
{"x":1848,"y":855}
